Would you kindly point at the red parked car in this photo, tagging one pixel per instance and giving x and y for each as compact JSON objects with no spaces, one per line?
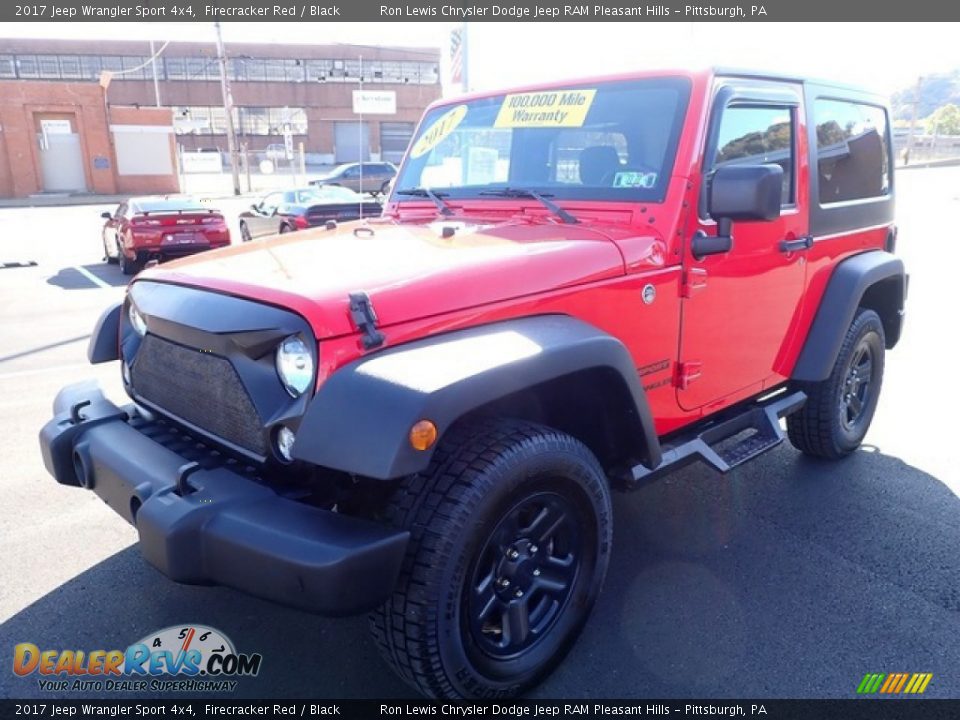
{"x":148,"y":228}
{"x":573,"y":288}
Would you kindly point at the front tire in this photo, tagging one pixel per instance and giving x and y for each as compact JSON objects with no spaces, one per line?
{"x":107,"y":257}
{"x":510,"y":535}
{"x":838,"y":411}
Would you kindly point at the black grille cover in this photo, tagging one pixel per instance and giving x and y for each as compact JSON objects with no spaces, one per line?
{"x":200,"y":388}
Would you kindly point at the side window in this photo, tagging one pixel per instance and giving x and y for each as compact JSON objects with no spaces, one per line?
{"x":121,"y":211}
{"x":853,"y":157}
{"x":270,"y":202}
{"x":759,"y":135}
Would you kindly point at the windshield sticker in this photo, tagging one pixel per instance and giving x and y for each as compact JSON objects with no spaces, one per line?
{"x":439,"y":131}
{"x":560,"y":108}
{"x":635,"y":180}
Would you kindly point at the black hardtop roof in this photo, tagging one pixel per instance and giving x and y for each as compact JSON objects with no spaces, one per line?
{"x":840,"y":88}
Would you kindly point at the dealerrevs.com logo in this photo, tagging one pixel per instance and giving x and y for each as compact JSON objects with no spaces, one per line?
{"x":186,"y":658}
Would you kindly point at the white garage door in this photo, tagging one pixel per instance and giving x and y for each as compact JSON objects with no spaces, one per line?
{"x":351,"y":142}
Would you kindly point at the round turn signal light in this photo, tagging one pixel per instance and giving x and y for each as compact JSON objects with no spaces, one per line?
{"x":423,"y":435}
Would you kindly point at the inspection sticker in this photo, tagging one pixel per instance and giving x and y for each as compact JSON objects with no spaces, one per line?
{"x":635,"y":180}
{"x":439,"y":130}
{"x":556,"y":108}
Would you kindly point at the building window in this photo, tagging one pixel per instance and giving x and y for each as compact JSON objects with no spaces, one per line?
{"x":90,"y":67}
{"x":112,"y":64}
{"x":218,"y":121}
{"x":252,"y":69}
{"x":201,"y":120}
{"x":70,"y":68}
{"x":242,"y":69}
{"x":7,"y":67}
{"x":319,"y":70}
{"x":429,"y":73}
{"x":294,"y":70}
{"x":176,"y":68}
{"x":198,"y":68}
{"x":27,"y":66}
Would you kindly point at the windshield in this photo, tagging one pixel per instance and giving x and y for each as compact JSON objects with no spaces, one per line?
{"x":326,"y":193}
{"x":160,"y":205}
{"x":609,"y":141}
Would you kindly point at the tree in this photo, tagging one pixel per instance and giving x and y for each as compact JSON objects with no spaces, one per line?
{"x":945,"y":120}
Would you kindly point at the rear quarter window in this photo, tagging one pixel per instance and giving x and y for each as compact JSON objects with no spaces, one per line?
{"x":853,"y":151}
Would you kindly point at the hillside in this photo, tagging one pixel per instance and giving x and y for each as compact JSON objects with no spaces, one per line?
{"x":938,"y":90}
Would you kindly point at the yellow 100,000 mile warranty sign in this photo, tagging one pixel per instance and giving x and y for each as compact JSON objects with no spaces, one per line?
{"x":555,"y":108}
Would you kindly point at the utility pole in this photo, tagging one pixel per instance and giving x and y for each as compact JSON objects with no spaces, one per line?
{"x":360,"y":130}
{"x":228,"y":109}
{"x":156,"y":81}
{"x":913,"y":121}
{"x":465,"y":61}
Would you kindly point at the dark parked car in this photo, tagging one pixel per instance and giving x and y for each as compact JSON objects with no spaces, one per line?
{"x":159,"y":228}
{"x":289,"y":210}
{"x":368,"y":177}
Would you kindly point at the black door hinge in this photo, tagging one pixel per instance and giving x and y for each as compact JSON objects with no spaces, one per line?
{"x":365,"y":319}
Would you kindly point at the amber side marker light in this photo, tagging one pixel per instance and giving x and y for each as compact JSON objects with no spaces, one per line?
{"x":423,"y":435}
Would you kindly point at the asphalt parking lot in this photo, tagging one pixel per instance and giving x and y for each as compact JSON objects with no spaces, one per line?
{"x":787,"y":578}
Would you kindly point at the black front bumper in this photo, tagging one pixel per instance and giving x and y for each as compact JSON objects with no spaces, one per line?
{"x":216,"y":524}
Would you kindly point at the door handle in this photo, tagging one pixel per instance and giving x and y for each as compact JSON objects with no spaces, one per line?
{"x":802,"y":243}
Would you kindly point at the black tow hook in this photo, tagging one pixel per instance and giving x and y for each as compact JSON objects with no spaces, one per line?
{"x":184,"y":488}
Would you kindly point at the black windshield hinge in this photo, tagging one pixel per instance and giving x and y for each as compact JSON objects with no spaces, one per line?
{"x":365,"y":319}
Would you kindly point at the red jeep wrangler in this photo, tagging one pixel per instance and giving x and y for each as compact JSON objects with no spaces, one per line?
{"x":573,"y":288}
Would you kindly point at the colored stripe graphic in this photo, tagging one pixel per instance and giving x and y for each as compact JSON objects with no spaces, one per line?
{"x":894,"y":683}
{"x":903,"y":681}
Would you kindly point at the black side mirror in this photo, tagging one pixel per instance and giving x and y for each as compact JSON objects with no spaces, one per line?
{"x":106,"y":215}
{"x":742,"y":193}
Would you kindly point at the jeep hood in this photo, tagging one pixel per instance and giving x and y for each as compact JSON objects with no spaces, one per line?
{"x":409,"y":271}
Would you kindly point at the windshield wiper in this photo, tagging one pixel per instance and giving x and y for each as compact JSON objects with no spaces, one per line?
{"x":525,"y":192}
{"x":428,"y":193}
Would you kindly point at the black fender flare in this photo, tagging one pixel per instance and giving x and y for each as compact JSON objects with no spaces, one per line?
{"x":360,"y":419}
{"x":105,"y":341}
{"x":848,"y":284}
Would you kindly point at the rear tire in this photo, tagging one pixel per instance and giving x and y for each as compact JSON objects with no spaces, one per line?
{"x":127,"y":266}
{"x":510,"y":535}
{"x":245,"y":233}
{"x":285,"y":229}
{"x":838,"y":411}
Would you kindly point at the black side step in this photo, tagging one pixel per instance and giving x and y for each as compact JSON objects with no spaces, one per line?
{"x":718,"y":444}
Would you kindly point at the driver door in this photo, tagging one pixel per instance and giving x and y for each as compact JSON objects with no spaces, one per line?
{"x":266,"y":219}
{"x":741,"y":307}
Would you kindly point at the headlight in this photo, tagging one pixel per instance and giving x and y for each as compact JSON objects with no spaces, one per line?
{"x":136,"y":320}
{"x":295,"y":365}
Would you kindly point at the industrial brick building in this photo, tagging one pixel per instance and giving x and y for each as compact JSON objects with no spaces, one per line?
{"x":342,"y":102}
{"x":61,"y":137}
